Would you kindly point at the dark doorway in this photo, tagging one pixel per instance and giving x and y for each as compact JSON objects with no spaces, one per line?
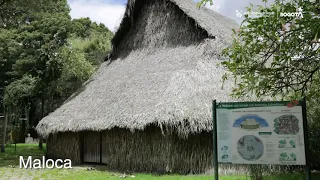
{"x":91,"y":147}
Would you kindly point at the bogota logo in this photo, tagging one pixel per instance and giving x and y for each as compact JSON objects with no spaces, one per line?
{"x":44,"y":164}
{"x":299,"y":13}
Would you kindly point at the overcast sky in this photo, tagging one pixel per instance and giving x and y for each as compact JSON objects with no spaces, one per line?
{"x":109,"y":12}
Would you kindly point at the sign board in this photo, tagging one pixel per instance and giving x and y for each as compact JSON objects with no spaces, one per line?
{"x":260,"y":133}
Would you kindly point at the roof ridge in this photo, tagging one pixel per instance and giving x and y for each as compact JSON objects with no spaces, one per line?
{"x":214,"y":23}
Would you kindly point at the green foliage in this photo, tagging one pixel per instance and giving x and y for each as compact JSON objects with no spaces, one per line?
{"x":20,"y":90}
{"x":45,"y":55}
{"x":273,"y":55}
{"x":85,"y":28}
{"x":314,"y":126}
{"x":8,"y":51}
{"x":15,"y":13}
{"x":204,"y":2}
{"x":75,"y":65}
{"x":76,"y":69}
{"x":95,"y":48}
{"x":91,"y":38}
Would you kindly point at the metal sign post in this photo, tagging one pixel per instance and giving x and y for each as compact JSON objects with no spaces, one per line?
{"x":306,"y":138}
{"x":215,"y":141}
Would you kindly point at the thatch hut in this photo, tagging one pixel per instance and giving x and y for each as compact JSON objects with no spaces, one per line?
{"x":148,"y":107}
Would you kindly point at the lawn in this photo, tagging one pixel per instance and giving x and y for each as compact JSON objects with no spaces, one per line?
{"x":9,"y":169}
{"x":11,"y":157}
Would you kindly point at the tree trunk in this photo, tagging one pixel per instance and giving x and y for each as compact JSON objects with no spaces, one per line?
{"x":32,"y":120}
{"x":3,"y":142}
{"x":22,"y":132}
{"x":32,"y":112}
{"x":42,"y":115}
{"x":42,"y":107}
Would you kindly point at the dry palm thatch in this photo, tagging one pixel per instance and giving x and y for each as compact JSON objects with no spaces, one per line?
{"x":208,"y":22}
{"x":64,"y":146}
{"x":149,"y":151}
{"x":164,"y":71}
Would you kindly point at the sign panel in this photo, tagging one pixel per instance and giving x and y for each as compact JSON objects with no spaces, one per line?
{"x":260,"y":133}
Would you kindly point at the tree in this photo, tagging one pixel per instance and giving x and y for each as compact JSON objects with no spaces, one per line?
{"x":14,"y":13}
{"x":273,"y":55}
{"x":8,"y":52}
{"x":85,"y":28}
{"x":29,"y":30}
{"x":96,"y":39}
{"x":76,"y":69}
{"x":45,"y":55}
{"x":33,"y":31}
{"x":40,"y":40}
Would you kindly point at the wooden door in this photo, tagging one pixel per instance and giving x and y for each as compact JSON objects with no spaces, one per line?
{"x":91,"y":147}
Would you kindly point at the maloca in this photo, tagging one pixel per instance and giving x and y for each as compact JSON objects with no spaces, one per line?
{"x":44,"y":163}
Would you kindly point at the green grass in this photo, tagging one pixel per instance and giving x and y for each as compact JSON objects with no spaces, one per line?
{"x":96,"y":175}
{"x":82,"y":174}
{"x":10,"y":157}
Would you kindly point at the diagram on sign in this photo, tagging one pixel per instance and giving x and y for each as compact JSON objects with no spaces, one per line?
{"x":250,"y":122}
{"x":260,"y":133}
{"x":286,"y":124}
{"x":287,"y":143}
{"x":225,"y":156}
{"x":224,"y":148}
{"x":250,"y":147}
{"x":284,"y":156}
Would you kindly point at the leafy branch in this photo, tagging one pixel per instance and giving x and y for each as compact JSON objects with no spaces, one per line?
{"x":273,"y":55}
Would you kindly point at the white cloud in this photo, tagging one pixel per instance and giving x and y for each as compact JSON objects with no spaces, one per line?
{"x":217,"y":4}
{"x":98,"y":11}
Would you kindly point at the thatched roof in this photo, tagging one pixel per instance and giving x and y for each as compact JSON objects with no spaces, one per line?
{"x":168,"y":86}
{"x":215,"y":24}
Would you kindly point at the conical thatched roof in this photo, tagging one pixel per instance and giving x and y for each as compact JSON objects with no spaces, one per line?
{"x":168,"y":85}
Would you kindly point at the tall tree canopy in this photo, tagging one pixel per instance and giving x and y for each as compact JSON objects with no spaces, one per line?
{"x":14,"y":13}
{"x":45,"y":55}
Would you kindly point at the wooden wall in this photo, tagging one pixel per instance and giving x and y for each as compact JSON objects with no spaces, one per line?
{"x":150,"y":151}
{"x":64,"y":146}
{"x":141,"y":151}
